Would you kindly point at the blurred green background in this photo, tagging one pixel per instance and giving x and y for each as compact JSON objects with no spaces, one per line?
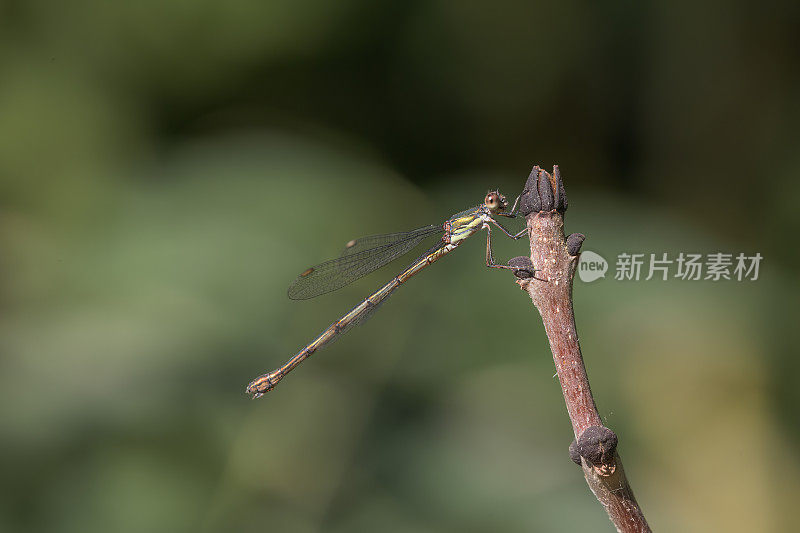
{"x":167,"y":168}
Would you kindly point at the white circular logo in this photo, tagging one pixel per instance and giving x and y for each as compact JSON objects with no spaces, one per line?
{"x":591,"y":266}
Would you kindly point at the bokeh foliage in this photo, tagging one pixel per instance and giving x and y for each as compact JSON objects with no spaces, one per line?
{"x":166,"y":168}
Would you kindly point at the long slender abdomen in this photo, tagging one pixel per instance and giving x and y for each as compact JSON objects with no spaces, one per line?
{"x":357,"y":315}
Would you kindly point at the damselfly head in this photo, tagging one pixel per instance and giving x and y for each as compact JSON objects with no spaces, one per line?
{"x":495,"y":201}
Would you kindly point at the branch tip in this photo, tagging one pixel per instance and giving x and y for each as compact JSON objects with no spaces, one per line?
{"x":543,"y":192}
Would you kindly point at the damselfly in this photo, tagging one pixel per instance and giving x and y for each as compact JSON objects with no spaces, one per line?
{"x":362,"y":256}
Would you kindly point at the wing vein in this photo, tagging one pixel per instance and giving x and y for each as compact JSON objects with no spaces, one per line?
{"x":359,"y":258}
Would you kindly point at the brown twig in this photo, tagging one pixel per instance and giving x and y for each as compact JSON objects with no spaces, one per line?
{"x":549,"y":284}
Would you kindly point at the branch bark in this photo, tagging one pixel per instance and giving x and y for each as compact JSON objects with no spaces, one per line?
{"x":547,"y":277}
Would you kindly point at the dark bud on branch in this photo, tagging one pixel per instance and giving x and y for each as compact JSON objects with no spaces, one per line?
{"x":574,"y":243}
{"x":543,"y":192}
{"x":598,"y":445}
{"x":523,"y":267}
{"x":529,"y":200}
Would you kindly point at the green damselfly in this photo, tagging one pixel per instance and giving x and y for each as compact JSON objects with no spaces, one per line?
{"x":362,"y":256}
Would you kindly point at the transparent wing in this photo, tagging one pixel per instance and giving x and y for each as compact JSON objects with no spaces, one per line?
{"x":374,"y":241}
{"x":359,"y":258}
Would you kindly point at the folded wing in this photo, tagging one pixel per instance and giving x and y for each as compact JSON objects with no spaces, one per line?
{"x":359,"y":258}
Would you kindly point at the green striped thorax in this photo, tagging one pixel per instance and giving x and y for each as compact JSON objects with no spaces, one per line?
{"x":466,"y":223}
